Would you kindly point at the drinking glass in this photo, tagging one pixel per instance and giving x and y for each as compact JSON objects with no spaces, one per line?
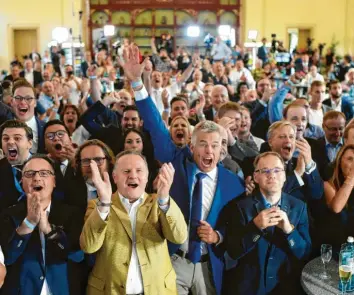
{"x":326,"y":256}
{"x":345,"y":271}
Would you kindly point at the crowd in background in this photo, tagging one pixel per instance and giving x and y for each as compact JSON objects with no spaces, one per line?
{"x":275,"y":145}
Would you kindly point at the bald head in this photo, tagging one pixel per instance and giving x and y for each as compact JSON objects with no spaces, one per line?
{"x":219,"y":96}
{"x":48,"y":88}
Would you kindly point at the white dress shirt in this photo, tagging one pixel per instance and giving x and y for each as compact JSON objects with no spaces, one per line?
{"x":32,"y":123}
{"x":45,"y":288}
{"x":316,"y":117}
{"x":336,"y":107}
{"x":209,"y":188}
{"x":156,"y":96}
{"x":134,"y":283}
{"x":134,"y":279}
{"x":80,"y":135}
{"x":235,"y":77}
{"x":29,"y":77}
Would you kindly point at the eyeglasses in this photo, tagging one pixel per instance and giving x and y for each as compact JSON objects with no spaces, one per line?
{"x":42,"y":173}
{"x":335,"y":129}
{"x":28,"y":99}
{"x":266,"y":171}
{"x":86,"y":161}
{"x":60,"y":134}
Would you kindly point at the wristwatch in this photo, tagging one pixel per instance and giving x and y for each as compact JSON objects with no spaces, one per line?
{"x":100,"y":204}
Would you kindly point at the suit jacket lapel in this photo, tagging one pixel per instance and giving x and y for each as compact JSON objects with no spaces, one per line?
{"x":143,"y":212}
{"x":191,"y":171}
{"x":258,"y":204}
{"x":122,"y":214}
{"x":217,"y":201}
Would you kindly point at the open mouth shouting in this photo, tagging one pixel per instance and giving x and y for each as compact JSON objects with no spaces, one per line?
{"x":286,"y":150}
{"x":12,"y":153}
{"x":37,"y":188}
{"x":132,"y":185}
{"x":70,"y":120}
{"x":22,"y":111}
{"x":207,"y":162}
{"x":58,"y":147}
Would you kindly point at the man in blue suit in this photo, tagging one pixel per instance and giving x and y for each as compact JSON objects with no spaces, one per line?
{"x":39,"y":236}
{"x":201,"y":188}
{"x":268,"y":234}
{"x":338,"y":102}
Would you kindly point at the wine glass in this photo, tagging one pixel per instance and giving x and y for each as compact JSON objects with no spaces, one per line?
{"x":345,"y":271}
{"x":326,"y":256}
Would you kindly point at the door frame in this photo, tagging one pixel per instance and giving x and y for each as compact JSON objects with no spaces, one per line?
{"x":311,"y":28}
{"x":11,"y":36}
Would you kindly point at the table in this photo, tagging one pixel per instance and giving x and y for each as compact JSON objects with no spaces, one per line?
{"x":313,"y":284}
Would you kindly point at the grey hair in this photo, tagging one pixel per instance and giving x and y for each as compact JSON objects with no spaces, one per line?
{"x":205,"y":127}
{"x":277,"y":125}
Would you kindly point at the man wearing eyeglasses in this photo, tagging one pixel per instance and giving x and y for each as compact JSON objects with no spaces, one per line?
{"x":268,"y":234}
{"x":23,"y":104}
{"x":81,"y":188}
{"x":328,"y":146}
{"x":39,"y":236}
{"x":59,"y":146}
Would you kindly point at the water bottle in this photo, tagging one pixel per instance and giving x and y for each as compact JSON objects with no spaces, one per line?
{"x":347,"y":251}
{"x":350,"y":245}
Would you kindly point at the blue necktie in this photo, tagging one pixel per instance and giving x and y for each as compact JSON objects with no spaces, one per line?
{"x":194,"y":247}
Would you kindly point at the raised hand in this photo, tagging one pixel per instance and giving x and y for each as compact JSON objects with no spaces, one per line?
{"x":92,"y":71}
{"x":305,"y":150}
{"x":33,"y":208}
{"x":249,"y":185}
{"x":300,"y":165}
{"x":110,"y":99}
{"x":268,"y":93}
{"x":44,"y":225}
{"x":165,"y":180}
{"x":103,"y":186}
{"x":200,"y":106}
{"x":132,"y":68}
{"x":164,"y":96}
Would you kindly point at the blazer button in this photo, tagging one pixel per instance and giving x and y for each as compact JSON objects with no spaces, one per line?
{"x":125,"y":263}
{"x":122,"y":286}
{"x":41,"y":278}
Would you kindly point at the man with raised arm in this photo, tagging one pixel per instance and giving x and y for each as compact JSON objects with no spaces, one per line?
{"x":201,"y":188}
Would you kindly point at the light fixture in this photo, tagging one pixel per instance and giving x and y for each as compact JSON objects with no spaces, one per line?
{"x":252,"y":34}
{"x":108,"y":30}
{"x":224,"y":31}
{"x":193,"y":31}
{"x":60,"y":34}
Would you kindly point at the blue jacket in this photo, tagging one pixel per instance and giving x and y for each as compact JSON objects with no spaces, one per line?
{"x":267,"y":259}
{"x":228,"y":186}
{"x":276,"y":107}
{"x":347,"y":106}
{"x":26,"y":269}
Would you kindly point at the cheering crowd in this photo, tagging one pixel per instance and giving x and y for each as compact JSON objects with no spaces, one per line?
{"x":173,"y":174}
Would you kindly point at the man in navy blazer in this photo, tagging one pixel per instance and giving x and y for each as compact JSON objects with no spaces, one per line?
{"x":219,"y":186}
{"x":268,"y":234}
{"x":338,"y":102}
{"x":39,"y":236}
